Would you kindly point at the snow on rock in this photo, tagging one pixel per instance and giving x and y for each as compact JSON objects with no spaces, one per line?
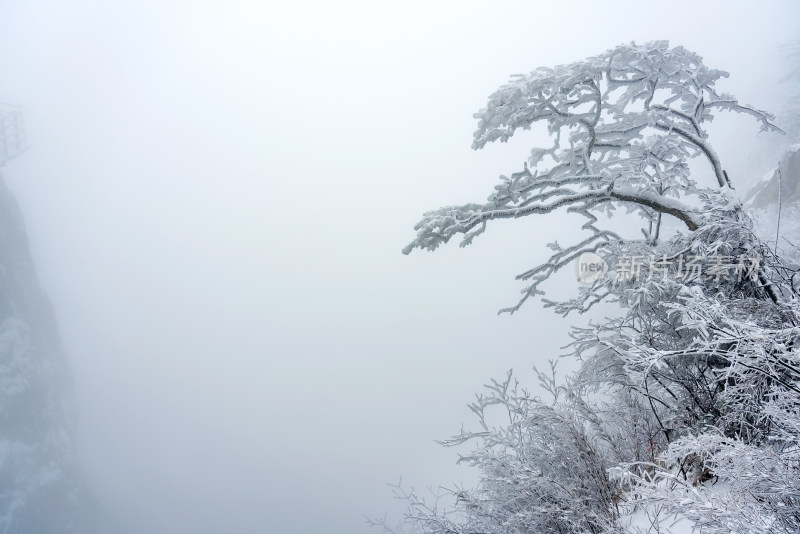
{"x":764,"y":193}
{"x":777,"y":216}
{"x":41,"y":486}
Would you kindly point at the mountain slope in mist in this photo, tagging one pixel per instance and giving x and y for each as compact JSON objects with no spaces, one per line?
{"x":774,"y":205}
{"x":41,"y":486}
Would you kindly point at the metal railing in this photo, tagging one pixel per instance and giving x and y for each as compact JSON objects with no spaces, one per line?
{"x":12,"y":134}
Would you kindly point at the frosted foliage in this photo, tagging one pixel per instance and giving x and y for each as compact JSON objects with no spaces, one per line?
{"x":684,"y":414}
{"x":625,"y":125}
{"x":786,"y":228}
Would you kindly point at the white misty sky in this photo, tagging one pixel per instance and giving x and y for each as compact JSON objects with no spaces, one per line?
{"x":217,"y":194}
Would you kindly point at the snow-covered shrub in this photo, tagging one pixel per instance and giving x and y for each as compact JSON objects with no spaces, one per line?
{"x":698,"y":376}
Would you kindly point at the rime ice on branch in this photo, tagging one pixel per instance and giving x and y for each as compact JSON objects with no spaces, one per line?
{"x":625,"y":125}
{"x":697,"y":379}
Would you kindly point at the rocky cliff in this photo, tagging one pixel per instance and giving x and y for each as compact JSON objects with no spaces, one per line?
{"x":41,"y":486}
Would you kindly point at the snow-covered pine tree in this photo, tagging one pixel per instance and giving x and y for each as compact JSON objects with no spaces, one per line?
{"x":699,"y":373}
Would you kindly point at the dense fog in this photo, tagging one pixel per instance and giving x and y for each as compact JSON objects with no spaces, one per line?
{"x":216,"y":196}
